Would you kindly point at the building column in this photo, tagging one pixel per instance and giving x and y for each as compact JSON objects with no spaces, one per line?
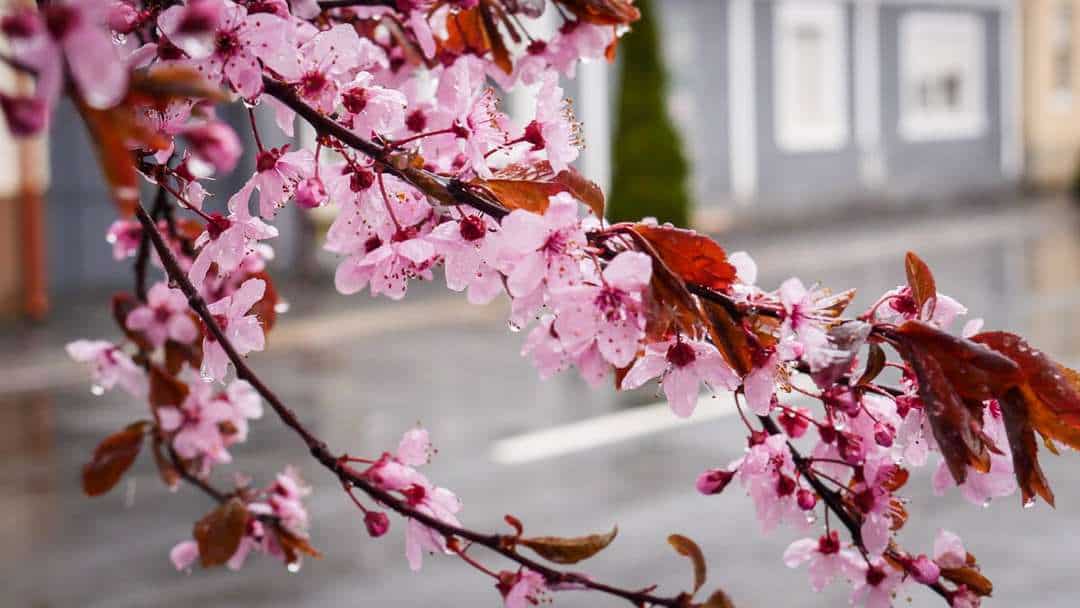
{"x":742,"y":100}
{"x":872,"y":169}
{"x":1012,"y":110}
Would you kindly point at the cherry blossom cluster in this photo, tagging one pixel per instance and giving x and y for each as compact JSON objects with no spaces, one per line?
{"x":426,"y":175}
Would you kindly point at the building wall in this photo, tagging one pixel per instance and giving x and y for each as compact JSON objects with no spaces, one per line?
{"x":1052,"y":119}
{"x":946,"y":165}
{"x":797,"y":179}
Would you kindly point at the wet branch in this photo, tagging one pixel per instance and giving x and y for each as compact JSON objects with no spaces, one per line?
{"x":503,"y":545}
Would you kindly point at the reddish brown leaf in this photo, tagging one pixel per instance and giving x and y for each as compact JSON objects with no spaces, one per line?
{"x":971,"y":578}
{"x":293,"y":545}
{"x":603,"y":12}
{"x":694,"y":257}
{"x":718,"y":599}
{"x":528,"y":186}
{"x":1018,"y":427}
{"x":957,"y":431}
{"x":730,"y":337}
{"x":177,"y":354}
{"x":166,"y":470}
{"x":490,"y":11}
{"x":975,"y":370}
{"x":921,"y":281}
{"x":112,"y":458}
{"x":569,"y":550}
{"x":690,"y":549}
{"x":165,"y":389}
{"x":875,"y":364}
{"x":220,"y":531}
{"x":266,"y":308}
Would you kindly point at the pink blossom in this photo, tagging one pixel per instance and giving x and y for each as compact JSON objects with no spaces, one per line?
{"x":124,"y":236}
{"x":110,"y":366}
{"x":278,"y":173}
{"x":541,"y":248}
{"x":470,"y":248}
{"x":184,"y":554}
{"x":608,"y":312}
{"x":827,"y":558}
{"x":544,"y":348}
{"x":243,"y":330}
{"x":332,"y":55}
{"x":228,"y":240}
{"x":803,"y":322}
{"x":163,"y":317}
{"x":215,"y":144}
{"x":949,"y":550}
{"x":387,"y":269}
{"x":71,"y":33}
{"x":231,"y":49}
{"x":681,"y":365}
{"x":196,"y":426}
{"x":311,"y":193}
{"x":876,"y":584}
{"x":768,"y":474}
{"x":476,"y":118}
{"x":999,"y":481}
{"x":371,"y":108}
{"x":522,"y":589}
{"x":553,"y":130}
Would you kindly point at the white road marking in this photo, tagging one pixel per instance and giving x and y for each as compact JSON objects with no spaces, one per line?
{"x":605,"y":430}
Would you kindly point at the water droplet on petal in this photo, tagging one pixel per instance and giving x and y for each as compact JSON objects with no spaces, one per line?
{"x":811,"y":517}
{"x":1030,"y":502}
{"x":119,"y":39}
{"x":514,"y":327}
{"x":282,"y":307}
{"x":986,"y":503}
{"x":293,"y":567}
{"x":97,"y":390}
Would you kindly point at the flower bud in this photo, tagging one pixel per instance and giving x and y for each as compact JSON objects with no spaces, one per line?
{"x":794,"y":424}
{"x":25,"y":115}
{"x":123,"y":17}
{"x":23,"y":23}
{"x":311,"y":193}
{"x":883,"y":435}
{"x":377,"y":523}
{"x":714,"y":481}
{"x":806,"y":499}
{"x":215,"y":144}
{"x":924,"y":570}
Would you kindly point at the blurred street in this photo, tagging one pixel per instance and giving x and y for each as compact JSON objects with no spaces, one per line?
{"x":361,"y":371}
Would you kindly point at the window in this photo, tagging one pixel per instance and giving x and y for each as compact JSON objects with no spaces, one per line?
{"x":1062,"y":54}
{"x":942,"y":76}
{"x":810,"y":76}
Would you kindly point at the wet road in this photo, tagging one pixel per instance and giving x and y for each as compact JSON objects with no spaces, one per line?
{"x":456,"y":369}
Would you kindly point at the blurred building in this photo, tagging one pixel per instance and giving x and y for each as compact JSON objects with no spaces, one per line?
{"x":1051,"y":96}
{"x":794,"y":106}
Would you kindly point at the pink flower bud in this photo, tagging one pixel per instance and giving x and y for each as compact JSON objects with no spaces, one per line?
{"x":377,"y":523}
{"x":25,"y":115}
{"x":883,"y":435}
{"x":794,"y":424}
{"x":123,"y":17}
{"x":216,"y":144}
{"x":924,"y":570}
{"x":714,"y":481}
{"x":806,"y":499}
{"x":311,"y":193}
{"x":23,"y":23}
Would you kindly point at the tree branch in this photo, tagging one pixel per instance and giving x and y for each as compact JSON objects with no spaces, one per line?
{"x":503,"y":545}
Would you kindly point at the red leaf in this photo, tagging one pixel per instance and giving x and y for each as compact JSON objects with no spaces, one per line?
{"x":694,"y":257}
{"x":165,"y":389}
{"x":266,"y":308}
{"x":1029,"y":475}
{"x":220,"y":531}
{"x":976,"y":371}
{"x":112,"y":458}
{"x":528,"y":186}
{"x":569,"y":550}
{"x":728,"y":335}
{"x":921,"y":281}
{"x":691,"y":550}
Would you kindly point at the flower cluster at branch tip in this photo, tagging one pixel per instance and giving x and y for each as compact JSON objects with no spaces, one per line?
{"x":426,"y":175}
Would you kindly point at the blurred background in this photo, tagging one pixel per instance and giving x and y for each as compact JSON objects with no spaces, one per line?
{"x":826,"y":137}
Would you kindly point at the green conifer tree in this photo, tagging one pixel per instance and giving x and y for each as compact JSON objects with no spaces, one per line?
{"x":649,"y":168}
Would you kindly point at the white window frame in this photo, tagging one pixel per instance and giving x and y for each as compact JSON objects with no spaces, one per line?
{"x":970,"y":122}
{"x":793,"y":134}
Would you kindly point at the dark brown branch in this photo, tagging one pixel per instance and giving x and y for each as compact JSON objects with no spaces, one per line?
{"x":497,"y":543}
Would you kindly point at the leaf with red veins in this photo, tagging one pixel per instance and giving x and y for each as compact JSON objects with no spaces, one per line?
{"x":921,"y":281}
{"x":694,"y":257}
{"x":603,"y":12}
{"x":112,"y":458}
{"x":529,"y":186}
{"x":220,"y":531}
